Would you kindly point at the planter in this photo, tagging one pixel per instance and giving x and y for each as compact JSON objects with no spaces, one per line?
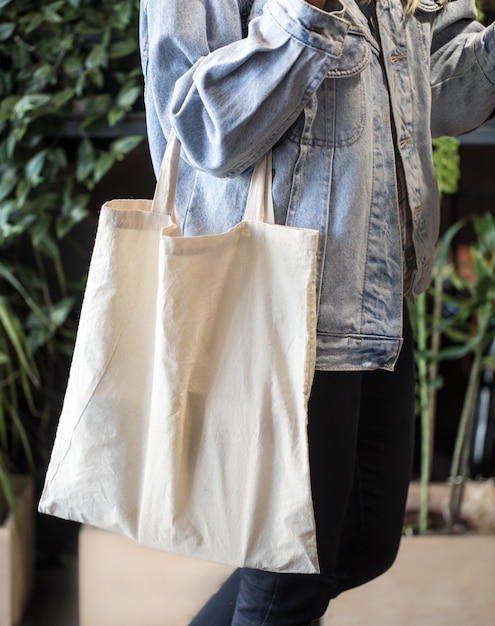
{"x":478,"y":503}
{"x":3,"y":507}
{"x":17,"y":551}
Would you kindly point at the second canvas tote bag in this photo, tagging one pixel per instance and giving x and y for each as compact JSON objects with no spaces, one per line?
{"x":184,"y":420}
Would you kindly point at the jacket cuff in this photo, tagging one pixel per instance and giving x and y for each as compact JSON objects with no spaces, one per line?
{"x":485,"y":52}
{"x":323,"y":30}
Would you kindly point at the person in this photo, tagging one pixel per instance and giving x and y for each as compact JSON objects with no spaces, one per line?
{"x":347,"y":95}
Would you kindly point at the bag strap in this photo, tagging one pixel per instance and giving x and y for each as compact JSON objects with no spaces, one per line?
{"x":259,"y":206}
{"x":166,"y":184}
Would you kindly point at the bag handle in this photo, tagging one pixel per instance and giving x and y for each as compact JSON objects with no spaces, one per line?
{"x":166,"y":185}
{"x":259,"y":206}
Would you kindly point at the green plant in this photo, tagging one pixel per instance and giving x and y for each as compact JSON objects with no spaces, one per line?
{"x":62,"y":62}
{"x":470,"y":329}
{"x":426,"y":327}
{"x":429,"y":325}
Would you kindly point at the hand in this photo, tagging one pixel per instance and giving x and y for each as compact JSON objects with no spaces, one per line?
{"x":319,"y":4}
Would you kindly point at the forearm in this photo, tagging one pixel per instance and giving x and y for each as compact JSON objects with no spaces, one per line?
{"x":234,"y":98}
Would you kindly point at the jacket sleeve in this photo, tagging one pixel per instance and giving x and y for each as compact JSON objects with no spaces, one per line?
{"x":229,"y":99}
{"x":462,"y":70}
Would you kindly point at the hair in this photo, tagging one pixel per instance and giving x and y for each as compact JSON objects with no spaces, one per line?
{"x":411,"y":6}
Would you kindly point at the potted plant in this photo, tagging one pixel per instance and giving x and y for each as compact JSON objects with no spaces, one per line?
{"x":469,"y":327}
{"x":452,"y":320}
{"x":68,"y":71}
{"x":444,"y":575}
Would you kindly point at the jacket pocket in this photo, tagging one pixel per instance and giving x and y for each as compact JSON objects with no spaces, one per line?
{"x":341,"y":99}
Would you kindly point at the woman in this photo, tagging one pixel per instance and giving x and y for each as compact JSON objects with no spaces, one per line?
{"x":347,"y":95}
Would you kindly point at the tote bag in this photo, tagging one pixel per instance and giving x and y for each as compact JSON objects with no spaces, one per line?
{"x":185,"y":414}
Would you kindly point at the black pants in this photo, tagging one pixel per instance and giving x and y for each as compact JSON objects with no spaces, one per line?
{"x":360,"y":440}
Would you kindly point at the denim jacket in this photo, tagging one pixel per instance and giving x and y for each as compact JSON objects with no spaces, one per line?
{"x":336,"y":97}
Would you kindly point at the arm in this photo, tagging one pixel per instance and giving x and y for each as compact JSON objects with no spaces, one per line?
{"x":230,"y":99}
{"x":462,"y":70}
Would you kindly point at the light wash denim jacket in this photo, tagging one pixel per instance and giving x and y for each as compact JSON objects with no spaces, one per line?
{"x":317,"y":88}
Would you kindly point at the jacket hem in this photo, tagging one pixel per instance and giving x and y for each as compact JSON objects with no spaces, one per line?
{"x":356,"y":352}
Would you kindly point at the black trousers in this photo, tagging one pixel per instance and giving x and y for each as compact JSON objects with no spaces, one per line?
{"x":360,"y":432}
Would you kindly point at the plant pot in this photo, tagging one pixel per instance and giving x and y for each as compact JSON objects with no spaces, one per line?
{"x":477,"y":508}
{"x":17,"y":552}
{"x":3,"y":507}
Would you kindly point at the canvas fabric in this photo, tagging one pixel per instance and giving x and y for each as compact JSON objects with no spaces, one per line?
{"x":184,"y":424}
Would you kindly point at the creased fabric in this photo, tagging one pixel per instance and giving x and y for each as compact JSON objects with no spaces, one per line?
{"x":184,"y":421}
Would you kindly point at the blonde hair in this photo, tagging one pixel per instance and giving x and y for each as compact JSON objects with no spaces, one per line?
{"x":411,"y":6}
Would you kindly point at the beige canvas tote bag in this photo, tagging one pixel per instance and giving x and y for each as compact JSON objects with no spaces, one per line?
{"x":184,"y":420}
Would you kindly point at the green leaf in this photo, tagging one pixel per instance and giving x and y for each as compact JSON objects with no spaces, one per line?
{"x":35,"y":22}
{"x":128,"y":96}
{"x":42,"y":239}
{"x":122,"y":49}
{"x":124,"y":145}
{"x":97,"y":57}
{"x":34,"y":166}
{"x":41,"y":332}
{"x":58,"y":158}
{"x":103,"y":164}
{"x":9,"y":277}
{"x":42,"y":76}
{"x":86,"y":159}
{"x":10,"y":145}
{"x":50,"y":15}
{"x":11,"y":326}
{"x":29,"y":102}
{"x":6,"y":30}
{"x":115,"y":115}
{"x":61,"y":311}
{"x":61,"y":98}
{"x":446,"y":162}
{"x":7,"y":105}
{"x":485,"y":230}
{"x":445,"y":246}
{"x":98,"y":105}
{"x":72,"y":65}
{"x":8,"y":181}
